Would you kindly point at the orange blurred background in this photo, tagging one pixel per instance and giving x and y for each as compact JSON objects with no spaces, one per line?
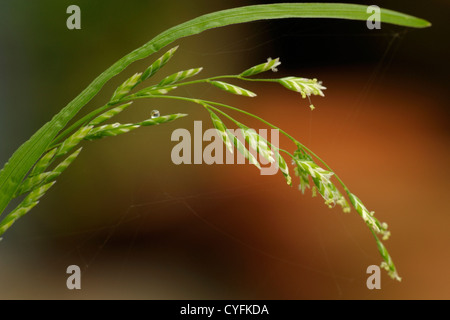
{"x":141,"y":227}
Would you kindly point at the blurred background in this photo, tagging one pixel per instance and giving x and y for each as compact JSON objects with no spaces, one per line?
{"x":141,"y":227}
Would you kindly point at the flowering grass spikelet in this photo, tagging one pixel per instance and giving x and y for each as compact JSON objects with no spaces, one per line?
{"x":366,"y":215}
{"x":387,"y":264}
{"x":162,"y":119}
{"x":158,"y":64}
{"x":24,"y":207}
{"x":126,"y":87}
{"x":176,"y":77}
{"x":43,"y":163}
{"x":303,"y":175}
{"x":257,"y":143}
{"x":109,"y":114}
{"x":32,"y":182}
{"x":369,"y":217}
{"x":306,"y":87}
{"x":154,"y":91}
{"x":243,"y":150}
{"x":322,"y":180}
{"x":263,"y":67}
{"x":112,"y":130}
{"x":282,"y":165}
{"x":60,"y":168}
{"x":73,"y":140}
{"x":233,"y":89}
{"x":221,"y":130}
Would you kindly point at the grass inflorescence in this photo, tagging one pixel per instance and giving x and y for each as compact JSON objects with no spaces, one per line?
{"x":38,"y":163}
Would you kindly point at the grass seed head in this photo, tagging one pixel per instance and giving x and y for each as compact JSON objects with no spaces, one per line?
{"x":263,"y":67}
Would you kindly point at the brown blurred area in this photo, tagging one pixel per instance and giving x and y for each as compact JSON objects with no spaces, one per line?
{"x":141,"y":227}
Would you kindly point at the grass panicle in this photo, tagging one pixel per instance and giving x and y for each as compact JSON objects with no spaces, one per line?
{"x":27,"y":172}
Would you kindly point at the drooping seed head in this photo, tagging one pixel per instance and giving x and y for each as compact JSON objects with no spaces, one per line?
{"x":176,"y":77}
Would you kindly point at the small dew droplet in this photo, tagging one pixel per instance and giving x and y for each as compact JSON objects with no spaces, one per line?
{"x":155,"y":114}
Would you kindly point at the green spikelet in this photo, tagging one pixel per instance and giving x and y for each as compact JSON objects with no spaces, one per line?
{"x":366,"y":215}
{"x":43,"y":163}
{"x":243,"y":150}
{"x":263,"y":67}
{"x":176,"y":77}
{"x":162,"y":119}
{"x":257,"y":143}
{"x":67,"y":162}
{"x":233,"y":89}
{"x":109,"y":114}
{"x":283,"y":167}
{"x":110,"y":130}
{"x":24,"y":207}
{"x":306,"y":87}
{"x":155,"y":91}
{"x":387,"y":264}
{"x":158,"y":64}
{"x":72,"y":141}
{"x":221,"y":130}
{"x":34,"y":181}
{"x":126,"y":87}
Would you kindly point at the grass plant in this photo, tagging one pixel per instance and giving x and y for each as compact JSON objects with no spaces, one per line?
{"x":38,"y":163}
